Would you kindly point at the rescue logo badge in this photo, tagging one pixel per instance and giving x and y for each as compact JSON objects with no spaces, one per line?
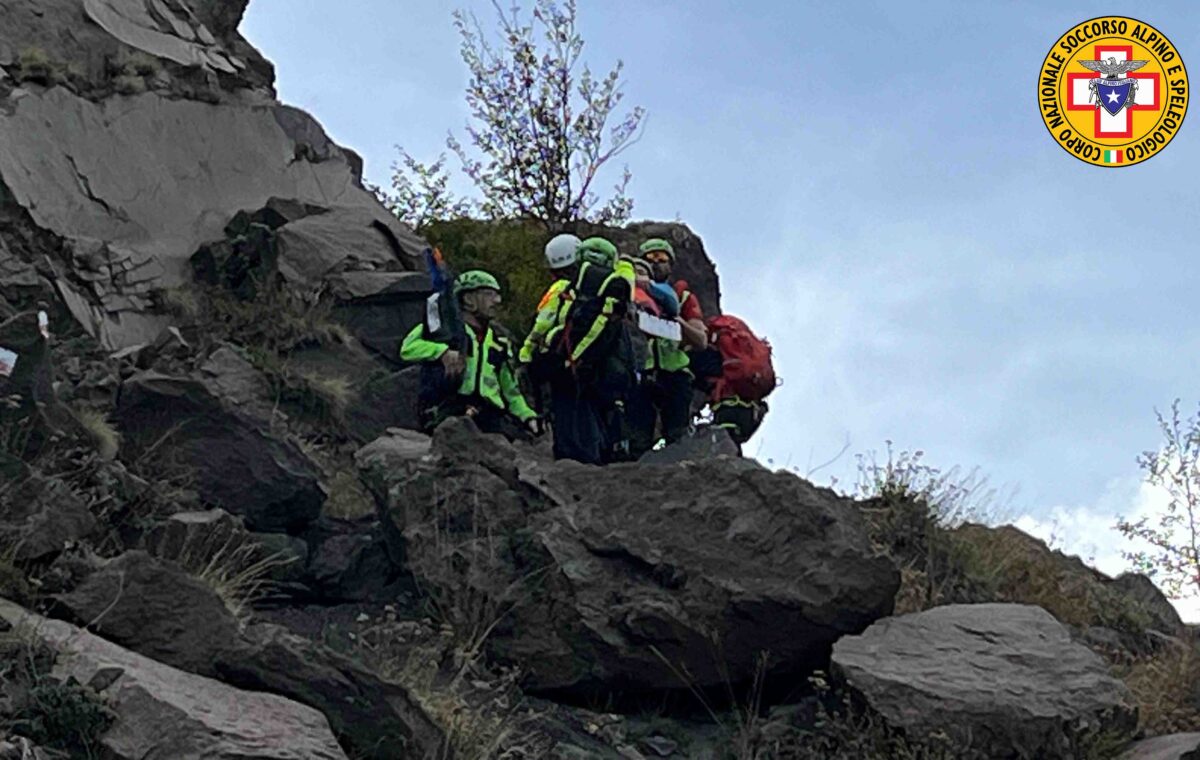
{"x":1113,"y":91}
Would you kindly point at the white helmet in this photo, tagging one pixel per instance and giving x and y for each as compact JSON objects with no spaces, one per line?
{"x":561,"y":251}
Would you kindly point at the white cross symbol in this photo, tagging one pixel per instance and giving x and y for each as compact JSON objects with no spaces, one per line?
{"x":1107,"y":125}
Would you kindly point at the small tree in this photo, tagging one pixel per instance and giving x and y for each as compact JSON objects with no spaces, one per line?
{"x":421,"y":193}
{"x":1174,"y":536}
{"x":539,"y":130}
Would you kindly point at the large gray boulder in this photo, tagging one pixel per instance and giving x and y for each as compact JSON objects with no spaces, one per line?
{"x":162,"y":712}
{"x":152,"y":607}
{"x":1003,"y":680}
{"x":156,"y":609}
{"x":622,"y":578}
{"x":218,"y":423}
{"x":1170,"y":747}
{"x":377,"y":718}
{"x":385,"y":400}
{"x":41,"y":516}
{"x":351,"y":251}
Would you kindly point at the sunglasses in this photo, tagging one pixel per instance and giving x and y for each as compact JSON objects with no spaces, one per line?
{"x":657,"y":257}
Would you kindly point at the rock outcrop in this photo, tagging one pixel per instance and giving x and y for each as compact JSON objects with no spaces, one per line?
{"x":219,"y":424}
{"x":133,"y":137}
{"x":40,"y":516}
{"x":1001,"y":680}
{"x":625,"y":577}
{"x":152,"y":607}
{"x":1171,"y":747}
{"x":162,"y":712}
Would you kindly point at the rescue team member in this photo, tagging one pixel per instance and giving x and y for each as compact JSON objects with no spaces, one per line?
{"x":479,"y":380}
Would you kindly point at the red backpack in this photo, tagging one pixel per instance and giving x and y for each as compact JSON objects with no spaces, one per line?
{"x":746,"y":370}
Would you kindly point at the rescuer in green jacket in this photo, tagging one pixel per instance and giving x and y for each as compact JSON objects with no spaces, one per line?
{"x":662,"y":403}
{"x":584,"y":354}
{"x":477,"y":380}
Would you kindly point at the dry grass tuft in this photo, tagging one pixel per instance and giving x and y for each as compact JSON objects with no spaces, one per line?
{"x":231,"y":563}
{"x":1167,"y":688}
{"x":1017,"y":567}
{"x":101,"y":432}
{"x":181,"y":302}
{"x":326,"y":396}
{"x":34,"y":65}
{"x":348,"y":497}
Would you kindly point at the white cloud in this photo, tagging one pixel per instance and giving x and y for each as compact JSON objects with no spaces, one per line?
{"x":1089,"y":532}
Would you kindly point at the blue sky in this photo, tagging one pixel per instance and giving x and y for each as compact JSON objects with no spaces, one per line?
{"x":882,"y":201}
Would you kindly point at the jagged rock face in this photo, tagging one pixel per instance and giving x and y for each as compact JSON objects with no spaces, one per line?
{"x":130,"y":180}
{"x":154,"y":608}
{"x":1163,"y":615}
{"x":350,"y":562}
{"x":353,"y":251}
{"x":1124,"y":610}
{"x":385,"y":400}
{"x":1002,"y":680}
{"x":376,"y":717}
{"x":708,"y":563}
{"x":163,"y":712}
{"x":40,"y":516}
{"x":218,"y":423}
{"x":93,"y":46}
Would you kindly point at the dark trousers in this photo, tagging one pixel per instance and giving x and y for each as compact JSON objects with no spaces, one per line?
{"x":577,"y":421}
{"x":438,"y":398}
{"x":665,"y":395}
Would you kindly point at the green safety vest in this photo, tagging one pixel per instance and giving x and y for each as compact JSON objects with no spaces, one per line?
{"x":668,"y":355}
{"x":488,"y":373}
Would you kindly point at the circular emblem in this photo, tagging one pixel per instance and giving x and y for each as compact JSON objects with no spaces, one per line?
{"x":1113,"y":91}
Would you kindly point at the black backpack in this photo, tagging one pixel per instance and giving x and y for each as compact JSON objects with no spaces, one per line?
{"x":598,"y":292}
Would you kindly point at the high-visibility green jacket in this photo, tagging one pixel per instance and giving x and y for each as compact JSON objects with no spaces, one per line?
{"x":669,"y":355}
{"x":488,"y":373}
{"x":550,"y":312}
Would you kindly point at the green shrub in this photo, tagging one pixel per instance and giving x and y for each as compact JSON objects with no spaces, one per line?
{"x":127,"y":84}
{"x":512,"y":251}
{"x":34,"y":65}
{"x":918,"y":516}
{"x":1166,"y":686}
{"x":55,"y":714}
{"x":1017,"y":567}
{"x":910,"y":509}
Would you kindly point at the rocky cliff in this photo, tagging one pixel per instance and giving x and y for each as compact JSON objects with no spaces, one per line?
{"x":220,"y":535}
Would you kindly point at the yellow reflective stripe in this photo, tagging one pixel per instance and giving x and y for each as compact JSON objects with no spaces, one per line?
{"x":590,"y":338}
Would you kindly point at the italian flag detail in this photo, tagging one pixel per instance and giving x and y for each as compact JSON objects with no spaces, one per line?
{"x":1114,"y":156}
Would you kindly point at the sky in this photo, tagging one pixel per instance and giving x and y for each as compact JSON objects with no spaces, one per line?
{"x":882,"y":202}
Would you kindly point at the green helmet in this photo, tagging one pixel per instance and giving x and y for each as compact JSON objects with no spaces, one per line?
{"x":597,"y":250}
{"x":475,"y":279}
{"x":657,"y":244}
